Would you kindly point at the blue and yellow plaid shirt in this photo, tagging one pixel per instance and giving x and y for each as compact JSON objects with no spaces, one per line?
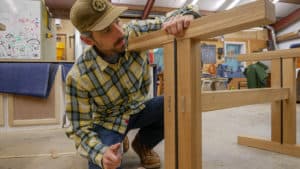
{"x":107,"y":94}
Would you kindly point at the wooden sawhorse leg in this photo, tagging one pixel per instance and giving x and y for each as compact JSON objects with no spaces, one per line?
{"x":283,"y":123}
{"x":183,"y":141}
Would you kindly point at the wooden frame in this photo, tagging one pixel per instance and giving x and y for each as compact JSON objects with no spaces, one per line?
{"x":183,"y":98}
{"x":28,"y":122}
{"x":288,"y":36}
{"x":1,"y":111}
{"x":283,"y":113}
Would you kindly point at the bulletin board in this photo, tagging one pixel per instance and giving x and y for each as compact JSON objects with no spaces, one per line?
{"x":21,"y":39}
{"x":208,"y":53}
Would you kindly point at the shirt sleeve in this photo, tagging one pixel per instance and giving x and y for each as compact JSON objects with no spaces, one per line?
{"x":79,"y":112}
{"x":139,"y":27}
{"x":186,"y":10}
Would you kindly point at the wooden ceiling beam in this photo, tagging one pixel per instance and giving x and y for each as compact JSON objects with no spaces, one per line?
{"x":290,"y":1}
{"x":147,"y":8}
{"x":287,"y":21}
{"x":141,"y":8}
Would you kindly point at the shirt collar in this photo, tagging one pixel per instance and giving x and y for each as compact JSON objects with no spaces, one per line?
{"x":102,"y":63}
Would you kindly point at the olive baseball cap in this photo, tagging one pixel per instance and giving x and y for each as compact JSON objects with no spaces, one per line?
{"x":94,"y":15}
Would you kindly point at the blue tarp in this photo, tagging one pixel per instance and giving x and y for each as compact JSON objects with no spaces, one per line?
{"x":65,"y":69}
{"x":296,"y":45}
{"x":33,"y":79}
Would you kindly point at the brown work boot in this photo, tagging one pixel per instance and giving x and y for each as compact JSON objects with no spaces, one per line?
{"x":125,"y":144}
{"x":149,"y":158}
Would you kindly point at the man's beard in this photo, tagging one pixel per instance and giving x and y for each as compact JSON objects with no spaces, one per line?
{"x":122,"y":49}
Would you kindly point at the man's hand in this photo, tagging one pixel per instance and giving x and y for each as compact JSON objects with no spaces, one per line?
{"x":112,"y":158}
{"x":176,"y":25}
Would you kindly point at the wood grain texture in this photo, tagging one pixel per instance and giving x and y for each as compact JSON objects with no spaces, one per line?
{"x":214,"y":100}
{"x":276,"y":132}
{"x":292,"y":150}
{"x":288,"y":36}
{"x":289,"y":106}
{"x":189,"y":101}
{"x":270,"y":55}
{"x":169,"y":107}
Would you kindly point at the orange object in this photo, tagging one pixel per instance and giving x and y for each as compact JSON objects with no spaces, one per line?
{"x":212,"y":69}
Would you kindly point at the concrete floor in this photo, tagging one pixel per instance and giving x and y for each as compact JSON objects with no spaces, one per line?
{"x":50,"y":149}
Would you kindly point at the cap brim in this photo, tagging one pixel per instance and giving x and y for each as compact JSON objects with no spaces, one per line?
{"x":114,"y":13}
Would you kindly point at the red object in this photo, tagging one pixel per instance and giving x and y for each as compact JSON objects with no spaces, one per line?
{"x":151,"y":57}
{"x":287,"y":21}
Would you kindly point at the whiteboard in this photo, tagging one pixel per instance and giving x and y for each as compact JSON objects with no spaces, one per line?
{"x":21,"y":39}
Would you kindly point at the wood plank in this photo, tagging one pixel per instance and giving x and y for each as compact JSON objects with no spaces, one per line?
{"x":169,"y":107}
{"x":276,"y":132}
{"x":1,"y":111}
{"x":214,"y":100}
{"x":189,"y":109}
{"x":289,"y":106}
{"x":243,"y":17}
{"x":270,"y":55}
{"x":288,"y":36}
{"x":292,"y":150}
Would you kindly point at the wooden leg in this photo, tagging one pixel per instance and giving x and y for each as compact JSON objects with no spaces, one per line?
{"x":189,"y":105}
{"x":276,"y":106}
{"x":169,"y":108}
{"x":283,"y":125}
{"x":289,"y":106}
{"x":288,"y":149}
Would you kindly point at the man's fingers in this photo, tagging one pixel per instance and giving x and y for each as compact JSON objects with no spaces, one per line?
{"x":177,"y":24}
{"x":115,"y":147}
{"x":187,"y":23}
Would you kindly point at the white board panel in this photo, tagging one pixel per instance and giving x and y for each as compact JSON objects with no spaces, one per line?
{"x":21,"y":39}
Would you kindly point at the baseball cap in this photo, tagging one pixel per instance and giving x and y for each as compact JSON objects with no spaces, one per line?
{"x":94,"y":15}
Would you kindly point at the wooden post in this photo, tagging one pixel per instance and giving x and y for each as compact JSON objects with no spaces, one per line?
{"x":283,"y":114}
{"x":189,"y":105}
{"x":276,"y":106}
{"x":289,"y":106}
{"x":169,"y":107}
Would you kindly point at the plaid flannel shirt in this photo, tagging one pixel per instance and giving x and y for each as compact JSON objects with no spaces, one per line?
{"x":107,"y":94}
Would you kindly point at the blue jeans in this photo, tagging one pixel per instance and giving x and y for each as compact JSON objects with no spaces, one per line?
{"x":150,"y":121}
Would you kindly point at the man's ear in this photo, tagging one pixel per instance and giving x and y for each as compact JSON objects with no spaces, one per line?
{"x":87,"y":40}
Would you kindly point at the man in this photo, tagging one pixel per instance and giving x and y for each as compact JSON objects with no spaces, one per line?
{"x":106,"y":88}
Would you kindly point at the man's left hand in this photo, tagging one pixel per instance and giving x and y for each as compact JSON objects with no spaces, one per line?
{"x":177,"y":24}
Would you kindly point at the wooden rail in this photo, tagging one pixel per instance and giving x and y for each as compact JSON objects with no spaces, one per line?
{"x":214,"y":100}
{"x":271,"y":55}
{"x":243,"y":17}
{"x":288,"y":36}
